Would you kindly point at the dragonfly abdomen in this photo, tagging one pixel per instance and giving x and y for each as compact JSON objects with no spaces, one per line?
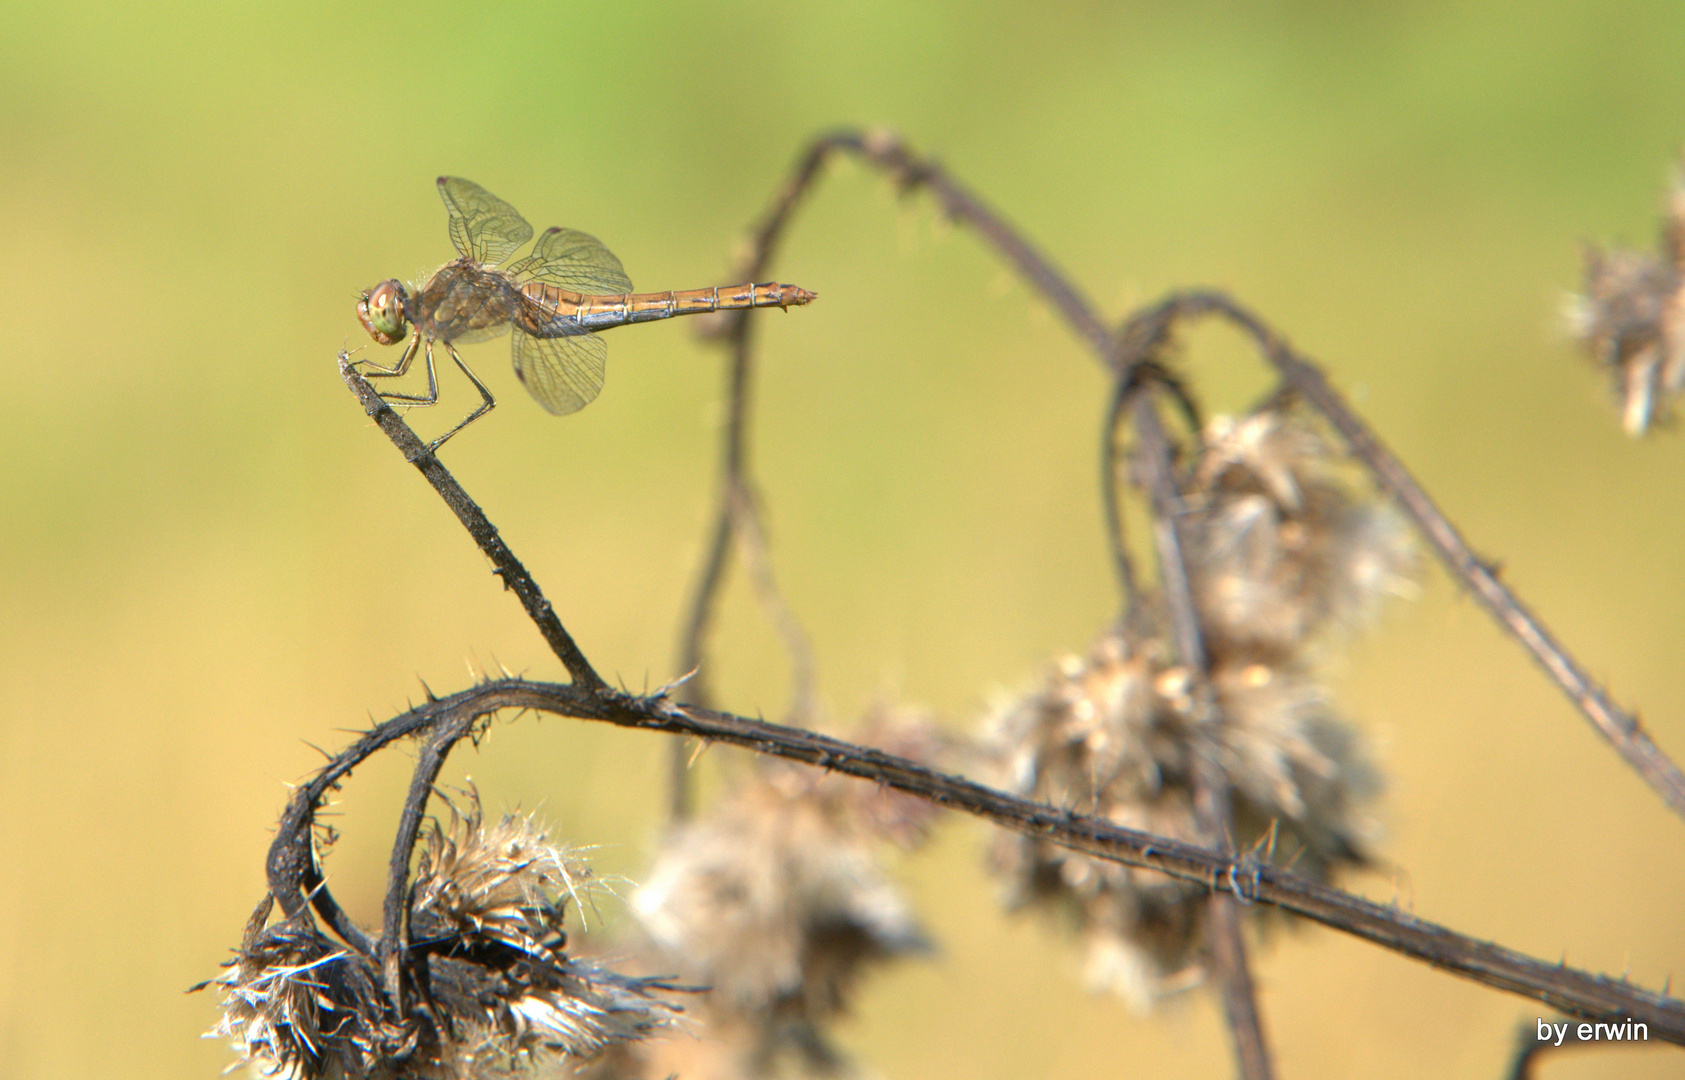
{"x":602,"y":312}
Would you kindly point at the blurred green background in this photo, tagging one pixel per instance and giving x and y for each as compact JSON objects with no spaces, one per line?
{"x":211,"y":563}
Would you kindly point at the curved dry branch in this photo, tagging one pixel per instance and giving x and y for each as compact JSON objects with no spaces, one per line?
{"x":887,"y":152}
{"x":1620,"y":728}
{"x":1234,"y":879}
{"x":1574,"y":992}
{"x":293,"y":878}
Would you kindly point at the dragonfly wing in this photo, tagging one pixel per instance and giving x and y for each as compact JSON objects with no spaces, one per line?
{"x":483,"y":226}
{"x":564,"y":373}
{"x":575,"y":261}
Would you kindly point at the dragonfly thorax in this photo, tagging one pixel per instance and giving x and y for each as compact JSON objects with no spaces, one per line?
{"x":382,"y":311}
{"x":465,"y":301}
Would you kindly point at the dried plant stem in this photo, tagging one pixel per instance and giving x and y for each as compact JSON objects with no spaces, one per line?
{"x":507,"y":567}
{"x":395,"y":929}
{"x":737,"y":518}
{"x":295,"y":881}
{"x":1619,"y":727}
{"x":1577,"y":993}
{"x":1212,"y":800}
{"x":887,"y":152}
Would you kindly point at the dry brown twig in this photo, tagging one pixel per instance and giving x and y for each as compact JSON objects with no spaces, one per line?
{"x":397,"y":991}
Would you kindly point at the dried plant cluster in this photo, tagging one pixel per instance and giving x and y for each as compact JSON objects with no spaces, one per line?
{"x":776,"y":902}
{"x":1190,"y":762}
{"x":1631,"y":319}
{"x":498,"y":996}
{"x":1281,"y":553}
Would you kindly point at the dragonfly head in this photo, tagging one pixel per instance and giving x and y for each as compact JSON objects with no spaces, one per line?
{"x":382,"y":312}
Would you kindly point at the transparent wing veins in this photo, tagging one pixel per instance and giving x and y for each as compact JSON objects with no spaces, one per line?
{"x":575,"y":261}
{"x":565,"y":373}
{"x":482,"y":226}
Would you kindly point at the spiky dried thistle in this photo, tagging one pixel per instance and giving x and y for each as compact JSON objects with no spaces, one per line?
{"x":494,"y":991}
{"x":1281,"y":552}
{"x":1630,"y":317}
{"x":777,"y":901}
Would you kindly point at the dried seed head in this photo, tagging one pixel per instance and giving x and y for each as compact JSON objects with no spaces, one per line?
{"x":498,"y":994}
{"x":1280,"y":548}
{"x":774,"y":901}
{"x":1113,"y":735}
{"x":777,"y":902}
{"x":297,"y":1005}
{"x":490,"y":887}
{"x":1631,"y":319}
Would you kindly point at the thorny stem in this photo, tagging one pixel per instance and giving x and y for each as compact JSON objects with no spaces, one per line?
{"x":1575,"y":992}
{"x":504,"y":563}
{"x":294,"y":879}
{"x":395,"y":929}
{"x":394,"y":941}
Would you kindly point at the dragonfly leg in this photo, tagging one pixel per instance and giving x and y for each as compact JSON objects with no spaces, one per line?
{"x":373,"y":370}
{"x":487,"y":402}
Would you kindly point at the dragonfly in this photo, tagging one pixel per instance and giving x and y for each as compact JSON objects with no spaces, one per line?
{"x":555,"y":300}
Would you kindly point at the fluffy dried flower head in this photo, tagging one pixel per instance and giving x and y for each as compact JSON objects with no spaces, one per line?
{"x":499,"y":996}
{"x":777,"y":901}
{"x":1631,"y":319}
{"x":502,"y":886}
{"x":1280,"y":547}
{"x":297,"y":1005}
{"x":1112,"y":734}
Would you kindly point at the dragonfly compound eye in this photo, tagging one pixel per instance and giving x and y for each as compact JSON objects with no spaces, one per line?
{"x":381,"y":311}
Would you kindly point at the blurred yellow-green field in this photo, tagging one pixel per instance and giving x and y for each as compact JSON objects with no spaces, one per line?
{"x":211,"y":563}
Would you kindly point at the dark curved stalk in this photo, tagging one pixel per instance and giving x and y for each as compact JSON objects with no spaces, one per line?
{"x":395,"y":929}
{"x":885,"y":151}
{"x":1580,"y":994}
{"x":1302,"y":378}
{"x":296,"y":882}
{"x":1111,"y":463}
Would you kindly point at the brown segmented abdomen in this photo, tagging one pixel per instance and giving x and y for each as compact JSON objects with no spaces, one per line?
{"x":602,"y":312}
